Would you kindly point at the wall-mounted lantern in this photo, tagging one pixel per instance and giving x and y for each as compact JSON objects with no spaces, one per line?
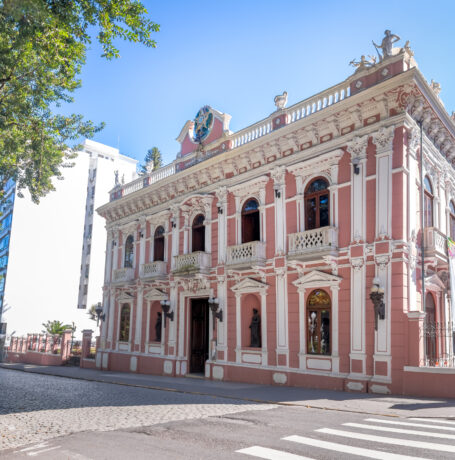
{"x":214,"y":304}
{"x":377,"y":297}
{"x":277,"y":191}
{"x":173,"y":224}
{"x":220,"y":208}
{"x":166,"y":306}
{"x":99,"y":313}
{"x":355,"y":164}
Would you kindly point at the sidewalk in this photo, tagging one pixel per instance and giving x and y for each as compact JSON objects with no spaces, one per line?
{"x":296,"y":396}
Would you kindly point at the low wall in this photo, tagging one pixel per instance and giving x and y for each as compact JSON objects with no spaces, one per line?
{"x":88,"y":363}
{"x":429,"y":381}
{"x":34,"y":357}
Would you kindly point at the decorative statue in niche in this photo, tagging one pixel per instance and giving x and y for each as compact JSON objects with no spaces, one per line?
{"x":312,"y":324}
{"x":158,"y":327}
{"x":255,"y":327}
{"x":325,"y":336}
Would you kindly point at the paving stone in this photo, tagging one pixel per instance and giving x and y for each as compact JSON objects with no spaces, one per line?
{"x":35,"y":408}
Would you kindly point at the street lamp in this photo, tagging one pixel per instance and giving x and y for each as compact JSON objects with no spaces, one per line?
{"x":98,"y":311}
{"x":377,"y":297}
{"x":165,"y":306}
{"x":214,"y":303}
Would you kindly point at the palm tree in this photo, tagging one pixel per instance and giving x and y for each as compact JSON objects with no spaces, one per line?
{"x":56,"y":327}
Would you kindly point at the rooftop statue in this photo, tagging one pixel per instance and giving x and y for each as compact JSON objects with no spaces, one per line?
{"x":281,"y":101}
{"x":364,"y":63}
{"x":387,"y":45}
{"x":436,"y":87}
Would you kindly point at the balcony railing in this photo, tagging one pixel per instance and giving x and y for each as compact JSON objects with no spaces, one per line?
{"x":198,"y":261}
{"x":439,"y":342}
{"x":318,"y":240}
{"x":246,"y":254}
{"x":152,"y":269}
{"x":435,"y":242}
{"x":123,"y":275}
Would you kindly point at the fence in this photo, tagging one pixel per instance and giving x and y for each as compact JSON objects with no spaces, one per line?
{"x":42,"y":349}
{"x":439,"y":343}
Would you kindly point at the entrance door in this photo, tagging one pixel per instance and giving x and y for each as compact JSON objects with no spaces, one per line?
{"x":199,"y":335}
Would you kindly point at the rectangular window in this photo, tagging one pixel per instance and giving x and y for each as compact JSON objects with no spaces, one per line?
{"x":87,"y":270}
{"x":89,"y":248}
{"x":93,"y":192}
{"x":85,"y":289}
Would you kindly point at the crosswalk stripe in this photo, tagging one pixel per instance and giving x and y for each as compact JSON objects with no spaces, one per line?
{"x":349,"y":449}
{"x":32,"y":454}
{"x":445,"y":422}
{"x":270,"y":454}
{"x":420,"y":425}
{"x":384,"y":440}
{"x":401,"y":430}
{"x":36,"y":446}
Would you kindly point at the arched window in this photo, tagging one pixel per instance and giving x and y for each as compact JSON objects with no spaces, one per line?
{"x":129,"y":252}
{"x":124,"y":331}
{"x":158,"y":244}
{"x":452,"y":221}
{"x":319,"y":323}
{"x":250,"y":221}
{"x":428,"y":203}
{"x":430,"y":329}
{"x":198,"y":233}
{"x":317,"y":204}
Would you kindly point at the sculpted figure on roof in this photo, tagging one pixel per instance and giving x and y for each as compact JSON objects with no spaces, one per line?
{"x":386,"y":44}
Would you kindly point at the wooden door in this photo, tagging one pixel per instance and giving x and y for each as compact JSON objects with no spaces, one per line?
{"x":199,"y":335}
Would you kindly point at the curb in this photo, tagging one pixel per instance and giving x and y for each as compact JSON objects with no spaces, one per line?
{"x":198,"y":393}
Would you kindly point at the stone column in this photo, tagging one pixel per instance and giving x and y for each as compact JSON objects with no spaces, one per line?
{"x":278,"y":175}
{"x":238,"y":328}
{"x":142,"y":236}
{"x":282,"y":341}
{"x":264,"y":328}
{"x":416,"y":341}
{"x":86,"y":343}
{"x":223,"y":306}
{"x":222,"y":211}
{"x":175,"y":234}
{"x":110,"y":318}
{"x":302,"y":328}
{"x":138,"y":327}
{"x":65,"y":349}
{"x":173,"y":297}
{"x":358,"y":151}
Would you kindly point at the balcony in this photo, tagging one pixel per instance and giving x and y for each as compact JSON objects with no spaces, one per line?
{"x":195,"y":262}
{"x":246,"y":255}
{"x":153,"y":269}
{"x":314,"y":243}
{"x":435,"y":243}
{"x":123,"y":275}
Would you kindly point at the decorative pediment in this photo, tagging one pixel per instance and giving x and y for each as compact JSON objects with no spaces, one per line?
{"x":124,"y":296}
{"x":434,"y":283}
{"x":250,"y":187}
{"x":155,"y":294}
{"x":326,"y":164}
{"x":317,"y":279}
{"x":249,"y":285}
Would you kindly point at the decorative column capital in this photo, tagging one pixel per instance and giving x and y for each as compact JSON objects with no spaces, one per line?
{"x":383,"y":138}
{"x":358,"y":146}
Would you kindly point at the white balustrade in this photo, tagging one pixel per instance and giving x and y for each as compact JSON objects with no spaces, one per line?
{"x":435,"y":241}
{"x":157,"y":268}
{"x":246,"y":253}
{"x":313,"y":240}
{"x":122,"y":275}
{"x":195,"y":261}
{"x":294,"y":113}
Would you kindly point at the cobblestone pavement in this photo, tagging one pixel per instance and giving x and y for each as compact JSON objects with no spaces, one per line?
{"x":35,"y":408}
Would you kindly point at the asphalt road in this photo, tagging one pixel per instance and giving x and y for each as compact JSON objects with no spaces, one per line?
{"x":58,"y":418}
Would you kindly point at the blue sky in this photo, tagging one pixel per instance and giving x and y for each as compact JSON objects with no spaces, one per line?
{"x":236,"y":56}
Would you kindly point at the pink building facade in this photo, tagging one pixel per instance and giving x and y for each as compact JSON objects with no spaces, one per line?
{"x":252,"y":256}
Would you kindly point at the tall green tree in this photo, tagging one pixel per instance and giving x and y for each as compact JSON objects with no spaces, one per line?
{"x":42,"y":50}
{"x":152,"y":160}
{"x":56,"y":327}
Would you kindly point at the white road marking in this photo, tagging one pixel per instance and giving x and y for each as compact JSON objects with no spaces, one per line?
{"x":420,"y":425}
{"x":36,"y":446}
{"x":395,"y":441}
{"x":349,"y":449}
{"x":430,"y":420}
{"x":73,"y":455}
{"x":32,"y":454}
{"x":401,"y":431}
{"x":270,"y":454}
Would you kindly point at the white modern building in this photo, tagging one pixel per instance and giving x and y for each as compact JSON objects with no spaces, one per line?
{"x":57,"y":248}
